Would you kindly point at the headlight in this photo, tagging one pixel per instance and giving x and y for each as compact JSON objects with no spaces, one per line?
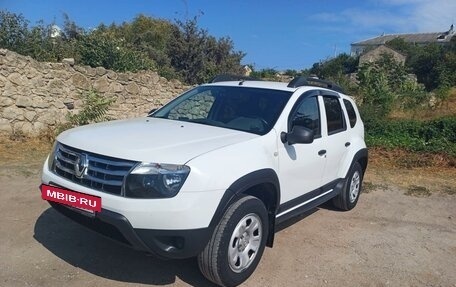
{"x":52,"y":156}
{"x":152,"y":180}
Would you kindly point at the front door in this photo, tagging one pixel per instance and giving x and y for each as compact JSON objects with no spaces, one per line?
{"x":301,"y":166}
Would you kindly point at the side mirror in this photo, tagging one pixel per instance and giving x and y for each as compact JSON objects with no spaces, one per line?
{"x":151,"y":111}
{"x":298,"y":134}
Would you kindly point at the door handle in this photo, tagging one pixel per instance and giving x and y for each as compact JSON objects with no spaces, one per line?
{"x":322,"y":152}
{"x":347,"y":144}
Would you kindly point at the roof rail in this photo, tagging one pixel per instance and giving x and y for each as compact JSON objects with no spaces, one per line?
{"x":231,"y":77}
{"x":303,"y":81}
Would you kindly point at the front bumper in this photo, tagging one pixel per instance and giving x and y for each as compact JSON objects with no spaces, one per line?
{"x":178,"y":227}
{"x":188,"y":210}
{"x":169,"y":244}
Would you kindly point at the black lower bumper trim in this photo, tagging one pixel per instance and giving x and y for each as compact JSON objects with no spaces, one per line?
{"x":169,"y":244}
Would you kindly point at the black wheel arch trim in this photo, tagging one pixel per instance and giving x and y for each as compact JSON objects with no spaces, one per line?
{"x":238,"y":188}
{"x":361,"y":156}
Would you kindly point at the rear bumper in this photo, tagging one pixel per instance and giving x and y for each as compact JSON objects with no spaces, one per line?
{"x":169,"y":244}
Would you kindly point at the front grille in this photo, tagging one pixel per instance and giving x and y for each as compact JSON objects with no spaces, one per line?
{"x":103,"y":173}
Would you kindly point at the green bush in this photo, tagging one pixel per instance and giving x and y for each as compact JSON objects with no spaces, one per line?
{"x":94,"y":109}
{"x":435,"y":136}
{"x":100,"y":49}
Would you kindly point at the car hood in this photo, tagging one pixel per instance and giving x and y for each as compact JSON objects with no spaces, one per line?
{"x":151,"y":139}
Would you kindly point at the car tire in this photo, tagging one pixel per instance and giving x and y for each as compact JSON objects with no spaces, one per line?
{"x":348,"y":198}
{"x":237,"y":243}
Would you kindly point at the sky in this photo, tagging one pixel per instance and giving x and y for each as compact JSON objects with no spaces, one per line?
{"x":287,"y":34}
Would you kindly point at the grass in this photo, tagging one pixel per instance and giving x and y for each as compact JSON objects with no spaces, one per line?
{"x":368,"y":187}
{"x":385,"y":170}
{"x":450,"y":190}
{"x":400,"y":158}
{"x":22,"y":155}
{"x":418,"y":191}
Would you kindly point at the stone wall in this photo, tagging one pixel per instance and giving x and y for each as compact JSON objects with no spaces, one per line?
{"x":37,"y":96}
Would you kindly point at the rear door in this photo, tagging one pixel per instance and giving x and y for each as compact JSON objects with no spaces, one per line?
{"x":335,"y":134}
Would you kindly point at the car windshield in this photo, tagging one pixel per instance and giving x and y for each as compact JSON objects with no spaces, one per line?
{"x":252,"y":110}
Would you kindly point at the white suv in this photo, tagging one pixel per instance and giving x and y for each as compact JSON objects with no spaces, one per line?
{"x":212,"y":173}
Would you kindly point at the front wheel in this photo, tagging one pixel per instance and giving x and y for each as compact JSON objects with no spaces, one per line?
{"x":237,"y":244}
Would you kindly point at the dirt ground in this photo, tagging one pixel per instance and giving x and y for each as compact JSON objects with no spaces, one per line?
{"x":402,"y":233}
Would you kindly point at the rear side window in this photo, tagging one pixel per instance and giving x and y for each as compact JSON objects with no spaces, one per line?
{"x":351,"y":112}
{"x":334,"y":115}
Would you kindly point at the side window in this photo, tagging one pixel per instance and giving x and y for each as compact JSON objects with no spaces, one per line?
{"x":351,"y":112}
{"x":334,"y":115}
{"x":307,"y":115}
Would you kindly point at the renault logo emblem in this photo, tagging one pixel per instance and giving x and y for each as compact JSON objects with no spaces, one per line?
{"x":80,"y":165}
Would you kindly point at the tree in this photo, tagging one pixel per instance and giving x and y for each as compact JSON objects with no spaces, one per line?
{"x":434,"y":65}
{"x":147,"y":35}
{"x":101,"y":49}
{"x":340,"y":65}
{"x":384,"y":84}
{"x":377,"y":96}
{"x":266,"y":73}
{"x":425,"y":64}
{"x":39,"y":45}
{"x":197,"y":57}
{"x":71,"y":31}
{"x":13,"y":31}
{"x":180,"y":49}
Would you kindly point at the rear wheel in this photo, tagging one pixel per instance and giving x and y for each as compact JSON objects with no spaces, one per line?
{"x":349,"y":196}
{"x":237,"y":244}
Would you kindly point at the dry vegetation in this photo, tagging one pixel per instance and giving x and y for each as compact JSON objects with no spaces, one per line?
{"x":23,"y":156}
{"x":417,"y":173}
{"x":412,"y":172}
{"x":446,"y":108}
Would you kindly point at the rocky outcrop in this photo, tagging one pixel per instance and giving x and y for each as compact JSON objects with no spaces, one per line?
{"x":37,"y":96}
